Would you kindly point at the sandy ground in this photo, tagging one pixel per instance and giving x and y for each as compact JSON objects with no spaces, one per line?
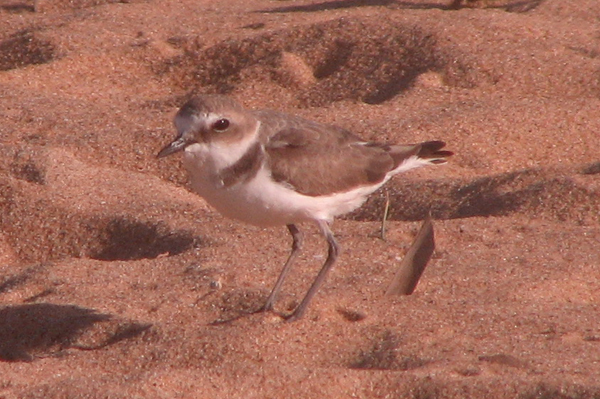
{"x":116,"y":281}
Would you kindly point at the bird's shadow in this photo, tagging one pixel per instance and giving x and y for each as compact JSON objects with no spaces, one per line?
{"x":239,"y":304}
{"x":230,"y":319}
{"x":261,"y":312}
{"x":38,"y":330}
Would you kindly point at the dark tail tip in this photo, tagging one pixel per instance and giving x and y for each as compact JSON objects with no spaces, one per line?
{"x":431,"y":150}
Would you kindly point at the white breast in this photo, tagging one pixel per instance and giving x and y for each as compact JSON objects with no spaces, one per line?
{"x":262,"y":201}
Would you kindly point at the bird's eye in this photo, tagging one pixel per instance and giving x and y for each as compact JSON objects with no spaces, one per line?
{"x":221,"y":125}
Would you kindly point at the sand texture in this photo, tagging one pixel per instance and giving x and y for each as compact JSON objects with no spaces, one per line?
{"x":117,"y":282}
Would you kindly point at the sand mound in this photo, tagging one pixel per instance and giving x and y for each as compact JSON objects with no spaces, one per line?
{"x":386,"y":54}
{"x":548,"y":194}
{"x":116,"y":281}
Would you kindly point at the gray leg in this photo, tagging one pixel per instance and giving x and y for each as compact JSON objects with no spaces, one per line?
{"x":334,"y":250}
{"x":296,"y":246}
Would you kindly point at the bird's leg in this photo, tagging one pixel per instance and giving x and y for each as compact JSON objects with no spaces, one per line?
{"x":334,"y":250}
{"x":296,"y":247}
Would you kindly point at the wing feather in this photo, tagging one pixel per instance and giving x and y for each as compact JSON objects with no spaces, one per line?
{"x":316,"y":159}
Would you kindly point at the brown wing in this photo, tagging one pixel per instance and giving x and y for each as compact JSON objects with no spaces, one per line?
{"x":318,"y":159}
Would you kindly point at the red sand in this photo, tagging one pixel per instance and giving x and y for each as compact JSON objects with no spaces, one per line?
{"x":112,"y":274}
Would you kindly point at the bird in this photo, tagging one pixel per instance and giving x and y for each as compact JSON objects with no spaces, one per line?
{"x":269,"y":168}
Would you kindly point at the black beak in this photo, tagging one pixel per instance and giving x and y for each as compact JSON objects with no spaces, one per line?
{"x":176,"y":146}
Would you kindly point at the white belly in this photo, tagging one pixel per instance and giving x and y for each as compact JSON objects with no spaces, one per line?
{"x":263,"y":202}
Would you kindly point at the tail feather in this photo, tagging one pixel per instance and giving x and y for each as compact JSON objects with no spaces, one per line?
{"x":430,"y":151}
{"x":412,"y":156}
